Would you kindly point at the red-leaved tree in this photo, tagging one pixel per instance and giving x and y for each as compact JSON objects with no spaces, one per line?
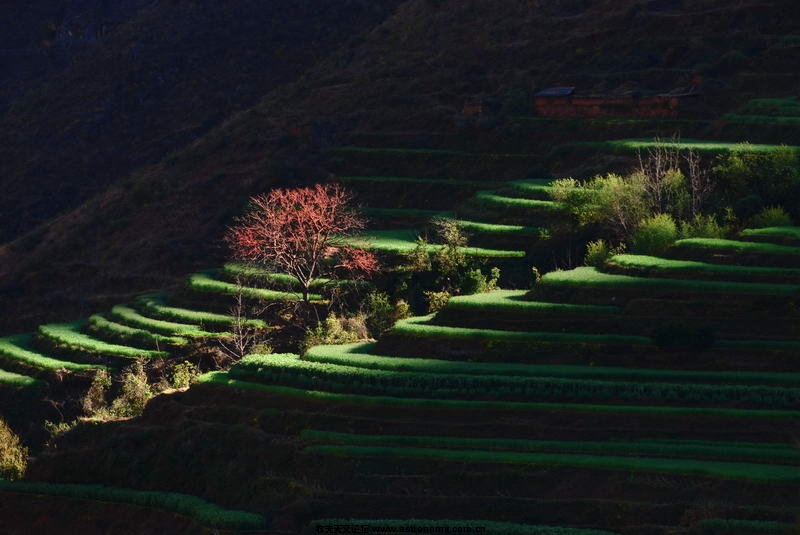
{"x":295,"y":230}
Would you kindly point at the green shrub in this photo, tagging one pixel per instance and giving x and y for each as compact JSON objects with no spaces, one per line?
{"x":135,"y":392}
{"x":437,"y":301}
{"x":674,"y":336}
{"x":332,"y":331}
{"x":475,"y":282}
{"x":184,"y":374}
{"x":703,"y":226}
{"x":598,"y":252}
{"x":95,"y":398}
{"x":13,"y":455}
{"x":771,"y":216}
{"x":381,"y":314}
{"x":654,"y":235}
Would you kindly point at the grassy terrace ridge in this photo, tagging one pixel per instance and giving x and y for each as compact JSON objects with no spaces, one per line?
{"x":490,"y":198}
{"x":404,"y":212}
{"x":70,"y":335}
{"x":723,"y":451}
{"x":224,"y":379}
{"x":422,"y":327}
{"x":124,"y":333}
{"x":359,"y":355}
{"x":767,"y":473}
{"x":18,"y":351}
{"x":792,"y":233}
{"x":289,"y":370}
{"x":206,"y":282}
{"x":17,"y":380}
{"x":505,"y":230}
{"x":282,"y":280}
{"x":590,"y":277}
{"x":736,"y":246}
{"x":488,"y":528}
{"x":653,"y":265}
{"x":201,"y":511}
{"x":129,"y":316}
{"x":516,"y":301}
{"x":350,"y":148}
{"x":405,"y":240}
{"x":699,"y":145}
{"x":155,"y":304}
{"x":416,"y":180}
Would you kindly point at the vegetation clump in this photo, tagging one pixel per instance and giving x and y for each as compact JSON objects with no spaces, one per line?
{"x":13,"y":455}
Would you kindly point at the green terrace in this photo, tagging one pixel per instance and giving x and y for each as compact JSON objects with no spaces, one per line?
{"x":199,"y":510}
{"x":290,"y":370}
{"x":727,"y":526}
{"x":405,"y":241}
{"x":475,"y":227}
{"x":768,"y":473}
{"x":68,"y":336}
{"x":130,"y":317}
{"x":736,"y":252}
{"x":156,"y":305}
{"x":283,"y":281}
{"x":207,"y":282}
{"x":516,"y":301}
{"x":787,"y":234}
{"x":642,"y":265}
{"x":18,"y":353}
{"x":768,"y":453}
{"x":362,"y":355}
{"x":491,"y":200}
{"x":470,"y":407}
{"x":591,"y":278}
{"x":120,"y":333}
{"x":382,"y":150}
{"x":703,"y":146}
{"x":15,"y":380}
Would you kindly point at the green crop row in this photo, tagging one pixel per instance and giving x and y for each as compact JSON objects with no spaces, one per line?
{"x":205,"y":513}
{"x":154,"y":304}
{"x":19,"y":381}
{"x":358,"y":356}
{"x":635,"y":145}
{"x":17,"y":351}
{"x":446,"y":526}
{"x":129,"y":335}
{"x":421,"y":327}
{"x":735,"y":246}
{"x":291,"y":371}
{"x":327,"y":398}
{"x":477,"y":227}
{"x":612,"y":447}
{"x":285,"y":281}
{"x":69,"y":335}
{"x":491,"y":199}
{"x":515,"y":301}
{"x":405,"y":241}
{"x":205,"y":282}
{"x":792,"y":233}
{"x":130,"y":316}
{"x":651,"y":265}
{"x":589,"y":277}
{"x":726,"y":470}
{"x":722,"y":526}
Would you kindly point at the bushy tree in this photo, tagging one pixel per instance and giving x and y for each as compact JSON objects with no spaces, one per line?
{"x":13,"y":455}
{"x":654,"y":235}
{"x":295,"y":230}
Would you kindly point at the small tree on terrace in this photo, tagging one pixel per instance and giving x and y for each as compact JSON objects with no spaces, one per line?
{"x":297,"y":230}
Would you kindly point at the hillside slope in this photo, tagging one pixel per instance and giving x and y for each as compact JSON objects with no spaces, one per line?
{"x":411,"y":73}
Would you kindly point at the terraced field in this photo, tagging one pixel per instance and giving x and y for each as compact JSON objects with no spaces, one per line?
{"x":569,"y":380}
